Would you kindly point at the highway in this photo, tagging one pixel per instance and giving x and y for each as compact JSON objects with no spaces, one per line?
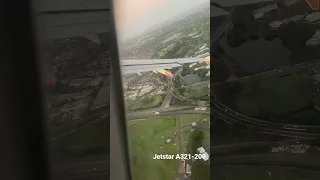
{"x":315,"y":63}
{"x":152,"y":112}
{"x":171,"y":112}
{"x":221,"y":29}
{"x":167,"y":99}
{"x":180,"y":146}
{"x":178,"y":96}
{"x":230,"y":116}
{"x":226,"y":114}
{"x":174,"y":92}
{"x":202,"y":83}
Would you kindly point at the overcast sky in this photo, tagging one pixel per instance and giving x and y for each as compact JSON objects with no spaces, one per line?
{"x":136,"y":16}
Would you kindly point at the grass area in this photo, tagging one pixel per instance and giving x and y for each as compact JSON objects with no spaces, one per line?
{"x":196,"y":92}
{"x":147,"y":138}
{"x":275,"y":96}
{"x":190,"y":118}
{"x":196,"y":139}
{"x":282,"y":99}
{"x":200,"y":169}
{"x":177,"y":102}
{"x":148,"y":103}
{"x":91,"y":140}
{"x":206,"y":118}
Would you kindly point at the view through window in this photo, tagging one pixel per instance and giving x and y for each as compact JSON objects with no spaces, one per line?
{"x":265,"y":89}
{"x":75,"y":59}
{"x":165,"y":55}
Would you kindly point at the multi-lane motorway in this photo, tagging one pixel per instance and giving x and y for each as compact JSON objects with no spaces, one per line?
{"x":149,"y":115}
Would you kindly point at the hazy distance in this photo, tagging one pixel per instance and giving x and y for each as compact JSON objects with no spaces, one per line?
{"x":133,"y":18}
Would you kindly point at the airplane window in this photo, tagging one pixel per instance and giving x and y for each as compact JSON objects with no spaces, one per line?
{"x":165,"y":57}
{"x":265,"y":89}
{"x":75,"y":60}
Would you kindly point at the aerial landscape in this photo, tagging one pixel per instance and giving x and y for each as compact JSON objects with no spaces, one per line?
{"x":168,"y":102}
{"x":77,"y":107}
{"x":265,"y":90}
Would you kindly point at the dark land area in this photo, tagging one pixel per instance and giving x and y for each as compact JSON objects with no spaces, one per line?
{"x":78,"y":107}
{"x":264,"y":92}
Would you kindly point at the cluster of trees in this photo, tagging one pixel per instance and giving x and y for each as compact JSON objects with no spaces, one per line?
{"x":202,"y":72}
{"x":186,"y":70}
{"x":200,"y":170}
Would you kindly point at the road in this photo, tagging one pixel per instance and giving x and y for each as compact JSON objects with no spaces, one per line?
{"x":230,"y":116}
{"x":221,"y":29}
{"x":178,"y":96}
{"x":180,"y":175}
{"x":305,"y":66}
{"x":167,"y":99}
{"x":152,"y":112}
{"x":166,"y":114}
{"x":202,"y":83}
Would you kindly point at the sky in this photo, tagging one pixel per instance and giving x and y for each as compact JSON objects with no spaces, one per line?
{"x":134,"y":17}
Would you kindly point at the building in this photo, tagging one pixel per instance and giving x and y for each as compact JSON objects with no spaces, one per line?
{"x":201,"y":150}
{"x":204,"y":155}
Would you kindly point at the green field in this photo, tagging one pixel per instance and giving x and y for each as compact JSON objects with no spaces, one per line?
{"x":190,"y":118}
{"x":186,"y":120}
{"x":91,"y":140}
{"x":196,"y":139}
{"x":146,"y":138}
{"x":176,"y":42}
{"x":151,"y":102}
{"x":196,"y":92}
